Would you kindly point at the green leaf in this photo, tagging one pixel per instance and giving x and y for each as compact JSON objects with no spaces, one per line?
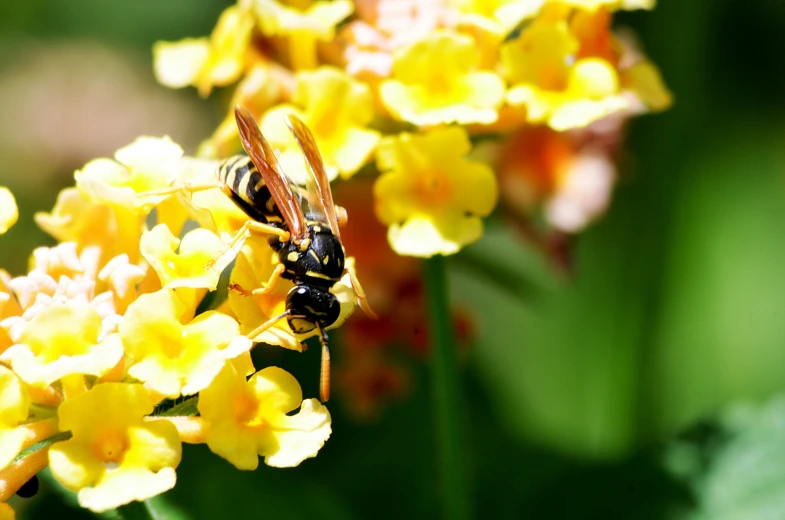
{"x":745,"y":474}
{"x":135,"y":511}
{"x":164,"y":509}
{"x":156,"y":508}
{"x":62,"y":436}
{"x":183,"y":408}
{"x":213,"y":299}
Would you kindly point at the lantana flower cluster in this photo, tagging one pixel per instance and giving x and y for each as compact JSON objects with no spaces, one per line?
{"x":120,"y":342}
{"x":440,"y":99}
{"x":123,"y":340}
{"x":429,"y":115}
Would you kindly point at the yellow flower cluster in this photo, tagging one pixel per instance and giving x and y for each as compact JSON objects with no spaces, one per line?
{"x":114,"y":325}
{"x":123,"y":341}
{"x":413,"y":83}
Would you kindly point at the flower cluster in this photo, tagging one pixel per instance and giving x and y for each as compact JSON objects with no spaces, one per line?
{"x":119,"y":344}
{"x":123,"y":340}
{"x":415,"y":84}
{"x":434,"y":111}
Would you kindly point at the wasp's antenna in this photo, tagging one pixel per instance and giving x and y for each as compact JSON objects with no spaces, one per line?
{"x":267,"y":324}
{"x":324,"y":376}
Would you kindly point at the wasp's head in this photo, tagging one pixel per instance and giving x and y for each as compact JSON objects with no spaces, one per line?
{"x":311,"y":306}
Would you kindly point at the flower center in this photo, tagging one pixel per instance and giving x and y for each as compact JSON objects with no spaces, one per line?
{"x":246,"y":409}
{"x":439,"y":83}
{"x":172,"y":349}
{"x":433,"y":188}
{"x":111,"y":447}
{"x":324,"y":125}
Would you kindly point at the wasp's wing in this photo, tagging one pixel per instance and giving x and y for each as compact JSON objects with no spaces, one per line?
{"x":262,"y":155}
{"x":319,"y":184}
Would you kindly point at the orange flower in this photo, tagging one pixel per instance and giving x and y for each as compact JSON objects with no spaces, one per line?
{"x":568,"y":176}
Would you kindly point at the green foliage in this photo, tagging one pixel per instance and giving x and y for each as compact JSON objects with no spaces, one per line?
{"x":737,"y":470}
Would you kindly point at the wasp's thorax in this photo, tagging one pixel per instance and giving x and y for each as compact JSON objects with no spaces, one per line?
{"x":317,"y":260}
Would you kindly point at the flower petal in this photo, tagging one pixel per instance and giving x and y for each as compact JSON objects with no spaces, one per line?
{"x":303,"y":436}
{"x":177,"y":64}
{"x":188,"y":268}
{"x":9,"y":213}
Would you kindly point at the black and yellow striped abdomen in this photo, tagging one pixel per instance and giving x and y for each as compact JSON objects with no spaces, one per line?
{"x":246,"y":187}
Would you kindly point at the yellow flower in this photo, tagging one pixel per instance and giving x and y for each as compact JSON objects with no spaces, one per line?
{"x":122,"y":278}
{"x":554,"y":86}
{"x":14,"y":407}
{"x":9,"y":213}
{"x":496,"y":16}
{"x":252,"y":269}
{"x":188,"y":267}
{"x":643,"y":80}
{"x":303,"y":23}
{"x":264,"y":85}
{"x":319,"y":17}
{"x":640,"y":81}
{"x":337,"y":109}
{"x":365,"y":44}
{"x":593,"y":5}
{"x":6,"y":512}
{"x":207,"y":62}
{"x":429,"y":194}
{"x":171,"y":357}
{"x":63,"y":339}
{"x":9,"y":308}
{"x":146,"y":165}
{"x":60,"y":276}
{"x":436,"y":81}
{"x":249,"y":419}
{"x":114,"y":457}
{"x":210,"y":208}
{"x":75,"y":219}
{"x":213,"y":210}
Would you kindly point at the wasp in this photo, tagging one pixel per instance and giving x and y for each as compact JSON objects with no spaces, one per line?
{"x":302,"y":226}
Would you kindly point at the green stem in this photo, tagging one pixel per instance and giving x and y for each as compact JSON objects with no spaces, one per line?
{"x":135,"y":511}
{"x":446,"y":394}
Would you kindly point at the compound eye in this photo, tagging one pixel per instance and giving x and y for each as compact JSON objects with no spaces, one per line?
{"x":332,"y":308}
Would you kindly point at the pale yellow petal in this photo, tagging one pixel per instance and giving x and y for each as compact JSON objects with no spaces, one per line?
{"x":422,"y":236}
{"x":188,"y":267}
{"x":646,"y":83}
{"x":73,"y":464}
{"x":9,"y":213}
{"x":11,"y":442}
{"x":177,"y":64}
{"x":303,"y":436}
{"x":277,"y":389}
{"x":122,"y":487}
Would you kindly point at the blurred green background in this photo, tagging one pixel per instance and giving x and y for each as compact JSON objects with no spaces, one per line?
{"x":646,"y":387}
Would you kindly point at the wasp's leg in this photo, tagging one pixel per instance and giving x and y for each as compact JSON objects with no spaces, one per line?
{"x":272,"y":282}
{"x":266,"y":229}
{"x":324,"y":374}
{"x":266,"y":325}
{"x":269,"y":286}
{"x":362,"y":300}
{"x":231,"y":249}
